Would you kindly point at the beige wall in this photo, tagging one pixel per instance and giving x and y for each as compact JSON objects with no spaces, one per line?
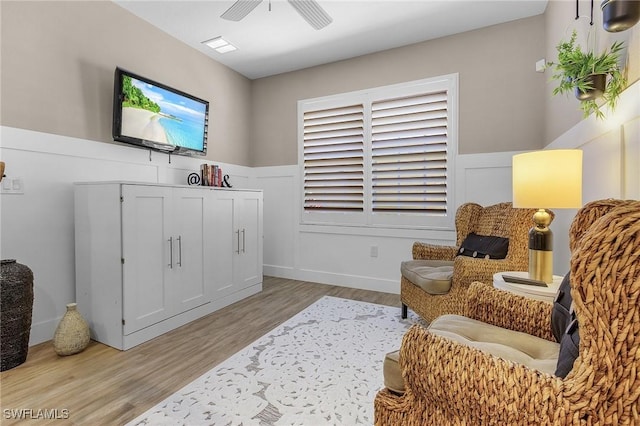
{"x":58,"y":60}
{"x":501,"y":95}
{"x":562,"y":112}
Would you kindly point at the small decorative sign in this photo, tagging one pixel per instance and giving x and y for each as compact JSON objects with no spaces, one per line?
{"x":193,"y":179}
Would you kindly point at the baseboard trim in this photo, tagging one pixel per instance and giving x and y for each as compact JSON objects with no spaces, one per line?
{"x":341,"y":280}
{"x":43,"y":331}
{"x":279,"y":271}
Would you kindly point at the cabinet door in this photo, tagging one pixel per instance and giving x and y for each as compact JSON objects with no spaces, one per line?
{"x":248,"y":219}
{"x":226,"y":243}
{"x":192,"y":241}
{"x":146,"y":250}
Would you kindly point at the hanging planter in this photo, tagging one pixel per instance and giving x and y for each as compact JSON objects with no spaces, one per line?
{"x":619,"y":15}
{"x":589,"y":76}
{"x":597,"y":85}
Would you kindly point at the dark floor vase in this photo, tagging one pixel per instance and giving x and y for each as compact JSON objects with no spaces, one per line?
{"x":620,"y":15}
{"x":598,"y":85}
{"x":16,"y":305}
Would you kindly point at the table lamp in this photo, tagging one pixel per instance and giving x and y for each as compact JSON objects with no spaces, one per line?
{"x":547,"y":179}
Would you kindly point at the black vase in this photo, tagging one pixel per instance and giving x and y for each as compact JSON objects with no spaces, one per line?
{"x":598,"y":85}
{"x":16,"y":305}
{"x":620,"y":15}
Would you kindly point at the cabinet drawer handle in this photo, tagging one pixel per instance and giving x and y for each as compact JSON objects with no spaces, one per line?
{"x":180,"y":251}
{"x":171,"y":252}
{"x":238,"y":241}
{"x":243,"y":241}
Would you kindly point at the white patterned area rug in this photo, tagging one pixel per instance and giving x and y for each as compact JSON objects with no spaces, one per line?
{"x":321,"y":367}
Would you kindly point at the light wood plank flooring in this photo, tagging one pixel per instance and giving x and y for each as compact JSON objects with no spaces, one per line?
{"x":105,"y":386}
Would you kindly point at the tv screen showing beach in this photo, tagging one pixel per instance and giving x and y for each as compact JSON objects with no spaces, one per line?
{"x":153,"y":113}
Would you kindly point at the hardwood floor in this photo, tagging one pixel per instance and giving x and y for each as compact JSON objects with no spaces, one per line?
{"x":105,"y":386}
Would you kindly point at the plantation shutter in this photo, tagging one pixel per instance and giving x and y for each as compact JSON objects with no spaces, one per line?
{"x":409,"y":154}
{"x":334,"y":159}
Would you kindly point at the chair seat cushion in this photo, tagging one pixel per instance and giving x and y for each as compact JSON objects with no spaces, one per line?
{"x":392,"y":373}
{"x":433,"y":276}
{"x":521,"y":348}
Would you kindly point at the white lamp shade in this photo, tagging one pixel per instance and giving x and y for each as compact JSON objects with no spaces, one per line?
{"x":550,"y":179}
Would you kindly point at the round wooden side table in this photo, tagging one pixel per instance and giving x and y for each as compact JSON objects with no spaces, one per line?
{"x":546,"y":294}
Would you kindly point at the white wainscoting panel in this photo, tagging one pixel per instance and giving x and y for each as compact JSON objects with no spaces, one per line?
{"x":280,"y":219}
{"x":603,"y":171}
{"x":37,"y":226}
{"x":351,"y":256}
{"x":611,"y":163}
{"x":631,"y":139}
{"x":38,"y":230}
{"x":484,"y":178}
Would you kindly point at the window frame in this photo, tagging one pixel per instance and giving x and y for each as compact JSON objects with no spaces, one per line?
{"x":368,"y":218}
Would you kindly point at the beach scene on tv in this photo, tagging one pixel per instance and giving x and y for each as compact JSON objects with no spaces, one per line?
{"x":156,"y":114}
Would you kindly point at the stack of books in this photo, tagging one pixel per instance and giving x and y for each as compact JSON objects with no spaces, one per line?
{"x":210,"y":175}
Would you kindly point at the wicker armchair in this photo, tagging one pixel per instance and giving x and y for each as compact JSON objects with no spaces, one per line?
{"x":452,"y":384}
{"x":501,"y":220}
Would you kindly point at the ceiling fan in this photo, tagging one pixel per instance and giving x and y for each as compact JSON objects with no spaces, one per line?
{"x":310,"y":10}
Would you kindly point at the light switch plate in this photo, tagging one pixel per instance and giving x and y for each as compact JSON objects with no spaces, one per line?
{"x":12,"y":185}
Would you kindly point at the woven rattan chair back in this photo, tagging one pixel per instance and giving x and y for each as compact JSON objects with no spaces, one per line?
{"x":448,"y":383}
{"x":604,"y":385}
{"x":587,"y":215}
{"x":501,"y":220}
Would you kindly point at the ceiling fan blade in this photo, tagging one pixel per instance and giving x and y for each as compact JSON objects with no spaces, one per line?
{"x":240,"y":9}
{"x":312,"y":12}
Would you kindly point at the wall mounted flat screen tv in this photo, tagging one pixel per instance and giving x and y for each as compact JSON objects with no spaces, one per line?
{"x":155,"y":116}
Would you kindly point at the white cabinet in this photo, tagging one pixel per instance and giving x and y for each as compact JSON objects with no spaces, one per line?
{"x":165,"y":240}
{"x":150,"y":258}
{"x":239,"y":230}
{"x":193,"y":246}
{"x":247,"y":265}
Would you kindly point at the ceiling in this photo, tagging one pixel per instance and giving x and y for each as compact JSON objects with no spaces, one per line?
{"x":274,"y":41}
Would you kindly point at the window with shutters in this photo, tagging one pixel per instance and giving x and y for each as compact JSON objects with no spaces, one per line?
{"x":380,"y":157}
{"x":334,"y":159}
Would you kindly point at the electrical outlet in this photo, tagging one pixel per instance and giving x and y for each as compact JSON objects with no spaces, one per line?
{"x":12,"y":185}
{"x":374,"y":251}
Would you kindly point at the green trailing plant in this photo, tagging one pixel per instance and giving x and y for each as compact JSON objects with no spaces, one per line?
{"x":574,"y":68}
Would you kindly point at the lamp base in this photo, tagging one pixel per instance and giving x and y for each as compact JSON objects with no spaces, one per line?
{"x":541,"y":248}
{"x":541,"y":265}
